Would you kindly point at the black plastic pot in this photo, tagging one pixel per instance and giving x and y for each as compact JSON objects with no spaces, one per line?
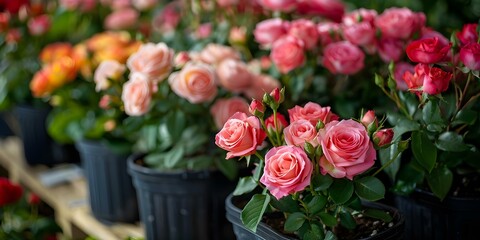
{"x":111,"y":193}
{"x":5,"y":130}
{"x":428,"y":218}
{"x":182,"y":204}
{"x":265,"y":232}
{"x":38,"y":147}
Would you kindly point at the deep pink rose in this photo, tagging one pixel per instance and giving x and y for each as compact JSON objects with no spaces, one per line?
{"x":287,"y":170}
{"x":278,"y":5}
{"x":390,"y":49}
{"x":240,"y":136}
{"x":306,"y":31}
{"x":361,"y":34}
{"x":470,"y":56}
{"x":215,"y":53}
{"x":299,"y":132}
{"x":436,"y":81}
{"x":360,"y":15}
{"x":39,"y":25}
{"x":430,"y":33}
{"x":268,"y":31}
{"x":383,"y":137}
{"x":224,"y":108}
{"x":398,"y":73}
{"x":331,"y":9}
{"x":261,"y":84}
{"x":153,"y":60}
{"x":108,"y":70}
{"x":328,"y":32}
{"x":195,"y":82}
{"x":287,"y":54}
{"x":347,"y":149}
{"x":399,"y":23}
{"x":233,"y":75}
{"x":343,"y":57}
{"x":137,"y":95}
{"x":121,"y":19}
{"x":468,"y":34}
{"x":313,"y":113}
{"x":427,"y":51}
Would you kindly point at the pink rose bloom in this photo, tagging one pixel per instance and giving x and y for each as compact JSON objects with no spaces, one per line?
{"x":144,"y":4}
{"x":261,"y":84}
{"x":390,"y":49}
{"x":121,"y":19}
{"x":414,"y":80}
{"x":278,"y":5}
{"x":399,"y":71}
{"x":436,"y":81}
{"x":107,"y":71}
{"x":168,"y":18}
{"x":227,"y":3}
{"x":343,"y":57}
{"x":468,"y":34}
{"x":398,"y":23}
{"x":361,"y":34}
{"x":287,"y":170}
{"x":287,"y":54}
{"x":470,"y":56}
{"x":313,"y":113}
{"x":281,"y":123}
{"x":360,"y":15}
{"x":39,"y":25}
{"x":233,"y":75}
{"x":240,"y":136}
{"x":215,"y":53}
{"x":429,"y":33}
{"x":137,"y":95}
{"x":224,"y":108}
{"x":153,"y":60}
{"x":299,"y":132}
{"x":347,"y":149}
{"x":268,"y":31}
{"x":332,"y":9}
{"x":328,"y":32}
{"x":306,"y":31}
{"x":204,"y":31}
{"x":429,"y":50}
{"x":195,"y":82}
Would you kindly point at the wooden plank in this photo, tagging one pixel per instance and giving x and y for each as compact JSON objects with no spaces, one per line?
{"x":68,"y":199}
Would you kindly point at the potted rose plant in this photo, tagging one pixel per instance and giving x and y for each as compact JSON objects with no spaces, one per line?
{"x":311,"y":176}
{"x":439,"y":113}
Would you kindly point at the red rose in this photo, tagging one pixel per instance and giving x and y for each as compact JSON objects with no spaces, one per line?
{"x":436,"y":81}
{"x":429,"y":50}
{"x":9,"y":192}
{"x":470,"y":56}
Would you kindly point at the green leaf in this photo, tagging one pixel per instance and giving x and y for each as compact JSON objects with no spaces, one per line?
{"x":440,"y":181}
{"x":254,"y":210}
{"x":369,"y":188}
{"x":321,"y":182}
{"x":176,"y":123}
{"x":341,"y":190}
{"x":314,"y":233}
{"x":347,"y":220}
{"x":466,"y":116}
{"x":228,"y":168}
{"x":285,"y":204}
{"x":431,"y":113}
{"x":378,"y":214}
{"x":258,"y":171}
{"x":244,"y":185}
{"x":386,"y":155}
{"x":294,"y":222}
{"x":404,"y":125}
{"x":330,"y":236}
{"x":424,"y":150}
{"x":317,"y":204}
{"x":173,"y":157}
{"x":451,"y":141}
{"x":328,"y":219}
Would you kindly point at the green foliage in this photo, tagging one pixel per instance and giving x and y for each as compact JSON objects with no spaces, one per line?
{"x":252,"y":212}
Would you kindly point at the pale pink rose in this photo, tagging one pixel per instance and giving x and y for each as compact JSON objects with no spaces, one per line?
{"x":107,"y":71}
{"x":121,"y":19}
{"x":227,"y":3}
{"x":287,"y":170}
{"x":328,"y":32}
{"x":390,"y":49}
{"x":304,"y":30}
{"x":195,"y":82}
{"x":347,"y":149}
{"x":360,"y":15}
{"x":144,"y":4}
{"x":332,"y":9}
{"x":204,"y":31}
{"x":278,"y":5}
{"x":268,"y":31}
{"x":224,"y":108}
{"x":137,"y":95}
{"x":313,"y":113}
{"x":153,"y":60}
{"x":287,"y":54}
{"x":261,"y":84}
{"x":39,"y":25}
{"x":233,"y":75}
{"x":215,"y":53}
{"x":399,"y":71}
{"x":361,"y":34}
{"x":299,"y":132}
{"x":240,"y":136}
{"x":343,"y":57}
{"x":398,"y":23}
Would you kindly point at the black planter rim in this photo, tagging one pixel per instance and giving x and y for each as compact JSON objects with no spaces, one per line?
{"x":447,"y":198}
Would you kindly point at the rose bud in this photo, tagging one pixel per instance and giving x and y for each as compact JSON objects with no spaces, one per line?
{"x":39,"y":25}
{"x":256,"y":108}
{"x":369,"y":118}
{"x":181,"y":59}
{"x":34,"y":199}
{"x":281,"y":123}
{"x":383,"y":137}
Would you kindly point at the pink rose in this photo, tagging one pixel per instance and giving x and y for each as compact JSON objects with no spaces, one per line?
{"x":256,"y":107}
{"x":261,"y":84}
{"x":195,"y":82}
{"x":153,"y":60}
{"x":233,"y":75}
{"x":343,"y":57}
{"x":360,"y":15}
{"x":224,"y":108}
{"x":268,"y":31}
{"x":181,"y":59}
{"x":361,"y":34}
{"x":430,"y":50}
{"x":328,"y":32}
{"x":399,"y":72}
{"x":281,"y":123}
{"x":414,"y":80}
{"x":278,"y":5}
{"x":313,"y":113}
{"x":137,"y":95}
{"x":240,"y":136}
{"x":299,"y":132}
{"x":39,"y":25}
{"x":107,"y":71}
{"x":429,"y":33}
{"x":144,"y":4}
{"x":390,"y":49}
{"x":398,"y":23}
{"x":204,"y":31}
{"x":347,"y":149}
{"x":436,"y":81}
{"x":332,"y":9}
{"x":215,"y":53}
{"x":121,"y":19}
{"x":470,"y":56}
{"x":168,"y":18}
{"x":383,"y":137}
{"x":287,"y":170}
{"x":287,"y":54}
{"x":237,"y":35}
{"x":306,"y":31}
{"x":227,"y":3}
{"x":105,"y":102}
{"x":368,"y":118}
{"x":468,"y":34}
